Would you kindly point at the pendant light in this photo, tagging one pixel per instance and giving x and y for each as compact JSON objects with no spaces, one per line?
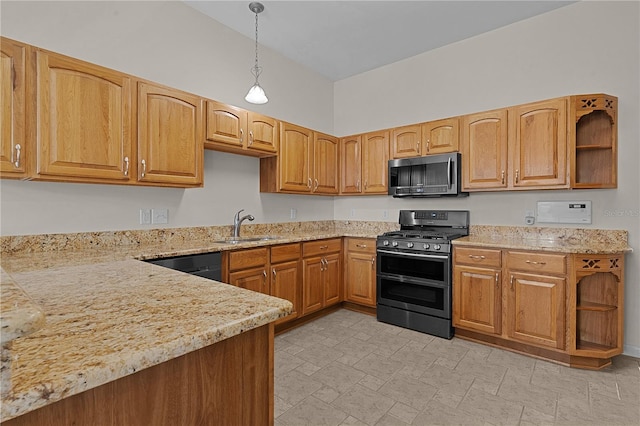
{"x":256,"y":94}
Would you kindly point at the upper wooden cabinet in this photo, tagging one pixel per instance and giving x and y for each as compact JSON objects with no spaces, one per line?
{"x":307,"y":163}
{"x":433,"y":137}
{"x":235,"y":130}
{"x":83,"y":120}
{"x":13,"y":143}
{"x":365,"y":161}
{"x":170,"y":136}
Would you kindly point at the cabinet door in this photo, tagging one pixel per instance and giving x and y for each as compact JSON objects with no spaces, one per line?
{"x":360,"y":278}
{"x":535,"y":309}
{"x":539,"y":140}
{"x":312,"y":285}
{"x":351,"y":164}
{"x":170,"y":136}
{"x":332,"y":279}
{"x":375,"y":162}
{"x":484,"y":150}
{"x":285,"y":284}
{"x":406,"y":141}
{"x":263,"y":133}
{"x":440,"y":136}
{"x":477,"y":299}
{"x":251,"y":279}
{"x":295,"y":152}
{"x":226,"y":124}
{"x":13,"y":57}
{"x":325,"y":164}
{"x":84,"y":119}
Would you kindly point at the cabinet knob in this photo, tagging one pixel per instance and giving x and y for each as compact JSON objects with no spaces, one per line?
{"x":18,"y":149}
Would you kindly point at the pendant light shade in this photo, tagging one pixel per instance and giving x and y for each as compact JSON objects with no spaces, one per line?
{"x":256,"y":94}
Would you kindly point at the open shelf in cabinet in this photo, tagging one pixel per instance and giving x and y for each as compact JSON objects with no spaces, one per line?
{"x":597,"y":312}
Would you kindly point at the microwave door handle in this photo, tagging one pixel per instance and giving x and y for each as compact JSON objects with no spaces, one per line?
{"x":449,"y":173}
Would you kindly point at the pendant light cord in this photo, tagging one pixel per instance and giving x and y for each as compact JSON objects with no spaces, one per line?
{"x":256,"y":68}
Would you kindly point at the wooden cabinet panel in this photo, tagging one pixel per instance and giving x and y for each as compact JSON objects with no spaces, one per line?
{"x":13,"y":92}
{"x":375,"y":162}
{"x":84,"y":119}
{"x":406,"y":141}
{"x":539,"y":263}
{"x":351,"y":164}
{"x":477,"y":257}
{"x":295,"y":152}
{"x":285,"y":252}
{"x":332,"y":279}
{"x":440,"y":136}
{"x":539,"y":139}
{"x":360,"y":278}
{"x":325,"y":164}
{"x":477,"y":299}
{"x":286,"y":284}
{"x":313,"y":285}
{"x":226,"y":124}
{"x":263,"y":133}
{"x":248,"y":258}
{"x":535,"y":309}
{"x":170,"y":136}
{"x":321,"y":247}
{"x":484,"y":150}
{"x":251,"y":279}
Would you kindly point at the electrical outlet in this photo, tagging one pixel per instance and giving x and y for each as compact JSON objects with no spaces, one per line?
{"x":145,"y":216}
{"x":294,"y":213}
{"x":385,"y":214}
{"x":352,"y":213}
{"x":159,"y":216}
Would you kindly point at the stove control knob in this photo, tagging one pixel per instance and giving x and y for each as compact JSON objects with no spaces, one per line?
{"x":437,"y":246}
{"x":425,"y":246}
{"x":385,"y":243}
{"x":410,"y":245}
{"x":394,"y":243}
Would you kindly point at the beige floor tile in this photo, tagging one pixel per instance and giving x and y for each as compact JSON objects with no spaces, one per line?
{"x":364,"y":404}
{"x":294,"y":386}
{"x":403,"y":412}
{"x":338,"y":376}
{"x":379,"y":366}
{"x":371,"y":382}
{"x":437,"y":414}
{"x":319,"y":354}
{"x":352,"y":421}
{"x":388,"y":420}
{"x":408,"y":391}
{"x":312,"y":411}
{"x":285,"y":362}
{"x":491,"y":408}
{"x":326,"y":394}
{"x":540,"y":399}
{"x":532,"y":417}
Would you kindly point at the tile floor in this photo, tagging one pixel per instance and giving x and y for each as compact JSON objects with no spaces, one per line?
{"x":348,"y":369}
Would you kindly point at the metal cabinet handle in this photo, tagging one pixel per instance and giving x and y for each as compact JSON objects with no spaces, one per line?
{"x":475,"y":256}
{"x":418,"y":147}
{"x":309,"y":183}
{"x":511,"y":282}
{"x":250,"y":137}
{"x":358,"y":185}
{"x":361,"y":245}
{"x":497,"y":280}
{"x":427,"y":145}
{"x":315,"y":184}
{"x":144,"y":168}
{"x":264,"y":276}
{"x":241,"y":135}
{"x":324,"y":247}
{"x":274,"y":272}
{"x":373,"y":261}
{"x":18,"y":148}
{"x":531,"y":262}
{"x":502,"y":178}
{"x":126,"y":166}
{"x":366,"y":184}
{"x":517,"y":175}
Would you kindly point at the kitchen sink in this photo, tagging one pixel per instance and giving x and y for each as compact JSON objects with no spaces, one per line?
{"x":237,"y":240}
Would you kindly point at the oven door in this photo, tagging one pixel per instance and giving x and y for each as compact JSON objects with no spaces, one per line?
{"x":415,"y":282}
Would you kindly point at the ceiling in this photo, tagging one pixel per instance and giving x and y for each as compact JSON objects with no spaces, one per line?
{"x":339,"y":39}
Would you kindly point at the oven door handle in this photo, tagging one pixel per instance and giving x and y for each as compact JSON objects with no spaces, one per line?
{"x":423,"y":256}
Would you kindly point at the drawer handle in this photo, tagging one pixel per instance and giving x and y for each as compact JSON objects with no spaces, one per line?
{"x":361,"y":245}
{"x":324,"y":247}
{"x":474,"y":256}
{"x":531,"y":262}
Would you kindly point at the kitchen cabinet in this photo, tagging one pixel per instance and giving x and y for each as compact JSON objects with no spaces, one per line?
{"x":235,"y":130}
{"x":13,"y":96}
{"x":286,"y":277}
{"x":170,"y":136}
{"x":84,"y":121}
{"x":364,"y":165}
{"x":564,"y":307}
{"x":322,"y":273}
{"x":248,"y":269}
{"x":477,"y":292}
{"x":307,"y":163}
{"x":433,"y":137}
{"x":360,"y":271}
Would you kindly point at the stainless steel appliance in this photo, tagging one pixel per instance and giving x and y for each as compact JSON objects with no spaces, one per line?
{"x":436,"y":175}
{"x":414,"y":270}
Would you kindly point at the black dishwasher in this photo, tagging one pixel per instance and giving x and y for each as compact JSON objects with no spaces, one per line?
{"x":206,"y":265}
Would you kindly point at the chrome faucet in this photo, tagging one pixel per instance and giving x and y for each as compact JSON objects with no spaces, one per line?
{"x":237,"y":221}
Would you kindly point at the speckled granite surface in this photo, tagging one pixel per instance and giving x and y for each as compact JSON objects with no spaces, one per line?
{"x":562,"y":240}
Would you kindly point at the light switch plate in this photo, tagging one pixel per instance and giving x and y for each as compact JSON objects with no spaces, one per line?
{"x":159,"y":216}
{"x":564,"y":212}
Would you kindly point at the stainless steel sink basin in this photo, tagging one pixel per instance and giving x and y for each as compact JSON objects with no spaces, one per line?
{"x":238,"y":240}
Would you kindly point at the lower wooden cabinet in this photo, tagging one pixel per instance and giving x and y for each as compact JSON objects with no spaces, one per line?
{"x":360,"y":271}
{"x":561,"y":306}
{"x":286,"y":277}
{"x":322,"y":274}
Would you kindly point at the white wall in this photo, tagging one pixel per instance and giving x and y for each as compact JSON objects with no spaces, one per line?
{"x":169,"y":43}
{"x":587,"y":47}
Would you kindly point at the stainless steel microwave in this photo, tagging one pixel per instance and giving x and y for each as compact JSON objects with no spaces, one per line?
{"x":436,"y":175}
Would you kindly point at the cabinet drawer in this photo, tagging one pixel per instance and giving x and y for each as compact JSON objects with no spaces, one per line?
{"x":537,"y":262}
{"x":476,"y":256}
{"x":320,"y":247}
{"x":285,"y":252}
{"x":250,"y":258}
{"x":366,"y":245}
